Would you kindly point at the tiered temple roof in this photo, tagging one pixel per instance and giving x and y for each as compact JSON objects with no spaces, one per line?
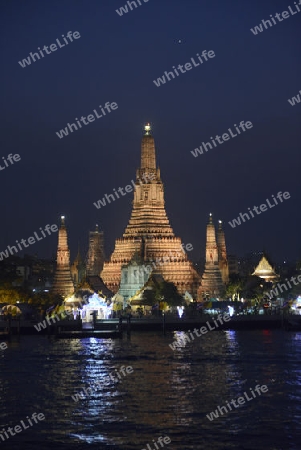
{"x":265,"y":270}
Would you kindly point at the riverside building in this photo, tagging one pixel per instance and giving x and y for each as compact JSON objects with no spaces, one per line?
{"x":265,"y":270}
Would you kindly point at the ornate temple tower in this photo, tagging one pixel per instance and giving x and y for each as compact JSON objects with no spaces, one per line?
{"x":149,"y":233}
{"x":212,"y":283}
{"x":62,"y":283}
{"x":222,"y":253}
{"x":95,"y":258}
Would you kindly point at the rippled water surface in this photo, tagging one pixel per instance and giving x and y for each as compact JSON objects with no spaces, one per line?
{"x":169,"y":392}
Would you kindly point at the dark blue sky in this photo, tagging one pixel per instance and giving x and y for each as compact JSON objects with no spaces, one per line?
{"x":116,"y":59}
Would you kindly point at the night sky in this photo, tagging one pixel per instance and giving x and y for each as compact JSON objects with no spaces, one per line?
{"x":116,"y":59}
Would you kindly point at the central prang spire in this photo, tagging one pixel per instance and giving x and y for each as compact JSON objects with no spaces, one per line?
{"x":148,"y":233}
{"x":148,"y":152}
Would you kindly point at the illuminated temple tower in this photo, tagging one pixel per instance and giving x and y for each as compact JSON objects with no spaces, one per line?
{"x":149,"y":234}
{"x":62,"y":283}
{"x":222,"y":253}
{"x":212,"y":283}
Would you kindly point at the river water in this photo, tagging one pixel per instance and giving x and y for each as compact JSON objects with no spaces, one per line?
{"x":168,"y":394}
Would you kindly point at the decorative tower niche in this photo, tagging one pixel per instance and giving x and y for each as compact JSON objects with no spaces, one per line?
{"x":62,"y":283}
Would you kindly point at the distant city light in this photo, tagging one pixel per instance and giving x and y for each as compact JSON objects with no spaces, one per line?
{"x":231,"y":310}
{"x":180,"y":311}
{"x":296,"y":306}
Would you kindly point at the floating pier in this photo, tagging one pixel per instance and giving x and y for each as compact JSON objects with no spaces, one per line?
{"x":99,"y":334}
